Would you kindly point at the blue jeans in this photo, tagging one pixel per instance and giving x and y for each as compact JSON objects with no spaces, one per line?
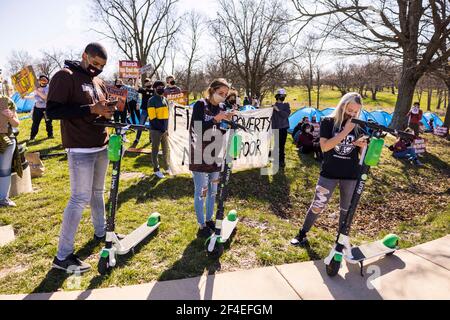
{"x":408,"y":153}
{"x":205,"y":187}
{"x":87,"y":186}
{"x":142,"y":121}
{"x":5,"y":170}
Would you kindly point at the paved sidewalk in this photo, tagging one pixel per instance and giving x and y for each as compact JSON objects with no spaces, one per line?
{"x":422,"y":272}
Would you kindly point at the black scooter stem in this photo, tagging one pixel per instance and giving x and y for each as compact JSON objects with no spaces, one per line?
{"x":376,"y":126}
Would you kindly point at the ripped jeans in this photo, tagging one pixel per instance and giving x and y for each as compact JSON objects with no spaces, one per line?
{"x":205,"y":187}
{"x":324,"y":190}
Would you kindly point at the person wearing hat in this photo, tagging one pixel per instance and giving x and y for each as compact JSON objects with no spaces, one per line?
{"x":414,"y":118}
{"x":40,"y":96}
{"x":158,"y":113}
{"x":280,"y":122}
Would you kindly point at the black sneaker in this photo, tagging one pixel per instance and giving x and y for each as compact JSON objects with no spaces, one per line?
{"x":72,"y":264}
{"x":300,"y":239}
{"x":204,"y":232}
{"x":211,"y":225}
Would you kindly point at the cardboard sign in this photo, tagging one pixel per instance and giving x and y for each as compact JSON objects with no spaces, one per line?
{"x":316,"y":132}
{"x":419,"y":146}
{"x":118,"y":94}
{"x":24,"y":81}
{"x":440,"y":131}
{"x":3,"y":120}
{"x":129,"y":69}
{"x":181,"y":99}
{"x":147,"y":68}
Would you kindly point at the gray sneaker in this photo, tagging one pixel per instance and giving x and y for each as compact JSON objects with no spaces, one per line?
{"x":72,"y":264}
{"x":7,"y":203}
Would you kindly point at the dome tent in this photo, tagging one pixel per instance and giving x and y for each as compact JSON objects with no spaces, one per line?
{"x":429,"y":115}
{"x":22,"y":105}
{"x":298,"y":115}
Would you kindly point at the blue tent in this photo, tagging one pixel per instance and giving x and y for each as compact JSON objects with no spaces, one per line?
{"x":382,"y":117}
{"x":326,"y":112}
{"x":22,"y":105}
{"x":247,"y":108}
{"x":298,"y":115}
{"x":426,"y":119}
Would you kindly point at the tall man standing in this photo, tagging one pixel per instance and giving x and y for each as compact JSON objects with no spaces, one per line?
{"x":77,"y":97}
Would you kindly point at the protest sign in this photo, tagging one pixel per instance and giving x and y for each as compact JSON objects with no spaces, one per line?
{"x":118,"y":94}
{"x":440,"y":131}
{"x":129,"y":69}
{"x":181,"y":99}
{"x":419,"y":146}
{"x":24,"y":81}
{"x":254,"y":147}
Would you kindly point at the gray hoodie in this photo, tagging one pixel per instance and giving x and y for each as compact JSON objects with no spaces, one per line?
{"x":280,"y":119}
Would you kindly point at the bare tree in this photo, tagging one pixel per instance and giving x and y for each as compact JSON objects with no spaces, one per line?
{"x":18,"y":60}
{"x":141,"y":29}
{"x":411,"y":31}
{"x":254,"y":38}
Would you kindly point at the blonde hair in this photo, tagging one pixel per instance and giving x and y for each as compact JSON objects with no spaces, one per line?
{"x":341,"y":108}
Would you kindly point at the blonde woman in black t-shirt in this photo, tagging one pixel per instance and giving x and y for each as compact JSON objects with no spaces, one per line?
{"x":341,"y":144}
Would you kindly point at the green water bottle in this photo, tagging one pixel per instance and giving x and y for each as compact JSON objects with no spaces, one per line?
{"x":114,"y":147}
{"x":374,"y":152}
{"x":235,"y":148}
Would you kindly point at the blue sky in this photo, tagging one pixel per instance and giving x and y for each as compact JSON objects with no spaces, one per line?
{"x":34,"y":25}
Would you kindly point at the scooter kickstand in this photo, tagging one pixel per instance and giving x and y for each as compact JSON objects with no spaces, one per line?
{"x":361,"y":263}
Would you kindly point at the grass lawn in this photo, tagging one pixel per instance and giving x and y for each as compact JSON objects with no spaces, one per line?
{"x":413,"y":202}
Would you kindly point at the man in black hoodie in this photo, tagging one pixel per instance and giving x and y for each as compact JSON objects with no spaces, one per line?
{"x":77,"y":98}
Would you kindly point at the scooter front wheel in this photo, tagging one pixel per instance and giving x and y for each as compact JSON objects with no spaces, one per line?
{"x":333,"y":268}
{"x":103,"y":266}
{"x":217,"y":251}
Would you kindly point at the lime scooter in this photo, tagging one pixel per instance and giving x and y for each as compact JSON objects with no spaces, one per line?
{"x":113,"y":245}
{"x":225,"y":227}
{"x":387,"y":246}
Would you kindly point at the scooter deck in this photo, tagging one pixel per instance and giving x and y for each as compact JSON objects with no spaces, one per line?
{"x":370,"y":250}
{"x":134,"y":238}
{"x":227,"y":228}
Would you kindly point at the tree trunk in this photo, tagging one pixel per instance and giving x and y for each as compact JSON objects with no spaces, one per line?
{"x":447,"y":114}
{"x":374,"y":94}
{"x":393,"y":89}
{"x":430,"y":94}
{"x":440,"y":98}
{"x":318,"y":89}
{"x":405,"y":97}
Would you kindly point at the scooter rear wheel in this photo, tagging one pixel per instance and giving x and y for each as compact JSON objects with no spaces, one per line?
{"x":333,"y":268}
{"x":217,"y":251}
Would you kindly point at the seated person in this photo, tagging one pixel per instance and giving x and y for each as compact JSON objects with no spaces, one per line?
{"x":402,"y":149}
{"x":297,"y":128}
{"x":306,"y":142}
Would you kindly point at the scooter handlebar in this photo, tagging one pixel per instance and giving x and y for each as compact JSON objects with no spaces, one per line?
{"x":116,"y":125}
{"x":376,"y":126}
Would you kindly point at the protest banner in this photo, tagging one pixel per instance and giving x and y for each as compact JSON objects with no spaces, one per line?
{"x":145,"y":69}
{"x":118,"y":94}
{"x":254,"y":147}
{"x":419,"y":145}
{"x":24,"y":81}
{"x":440,"y":131}
{"x":129,"y":69}
{"x":181,"y":99}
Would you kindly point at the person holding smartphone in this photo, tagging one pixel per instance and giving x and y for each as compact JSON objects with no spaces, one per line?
{"x":341,"y":142}
{"x":78,"y":97}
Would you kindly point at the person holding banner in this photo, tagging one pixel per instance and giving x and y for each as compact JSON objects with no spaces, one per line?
{"x":280,"y":122}
{"x":8,"y":120}
{"x":40,"y":96}
{"x":121,"y":115}
{"x":231,"y":101}
{"x":415,"y":118}
{"x":171,"y":87}
{"x":207,"y":115}
{"x":158,"y":113}
{"x":341,"y":142}
{"x":78,"y":97}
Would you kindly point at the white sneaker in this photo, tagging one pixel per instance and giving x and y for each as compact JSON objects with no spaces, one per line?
{"x":159,"y":174}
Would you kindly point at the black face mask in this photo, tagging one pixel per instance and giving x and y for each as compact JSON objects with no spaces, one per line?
{"x":172,"y":82}
{"x":119,"y":86}
{"x":282,"y":99}
{"x":232,"y":101}
{"x":93,"y":71}
{"x":43,"y":85}
{"x":160,"y":91}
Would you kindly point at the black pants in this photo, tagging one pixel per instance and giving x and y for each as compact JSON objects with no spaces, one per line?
{"x":282,"y":145}
{"x":38,"y":114}
{"x":134,"y":112}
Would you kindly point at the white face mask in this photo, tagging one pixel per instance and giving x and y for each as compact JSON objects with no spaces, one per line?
{"x":415,"y":110}
{"x":218,"y":98}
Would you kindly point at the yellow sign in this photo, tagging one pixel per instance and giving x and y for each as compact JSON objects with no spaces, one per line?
{"x":181,"y":98}
{"x":25,"y":81}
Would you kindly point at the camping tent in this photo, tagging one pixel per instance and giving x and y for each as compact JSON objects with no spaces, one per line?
{"x":298,"y":115}
{"x":382,"y":117}
{"x":22,"y":105}
{"x":326,"y":112}
{"x":247,"y":108}
{"x":426,"y":119}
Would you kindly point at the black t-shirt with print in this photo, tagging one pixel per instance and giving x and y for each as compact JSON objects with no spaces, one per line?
{"x":341,"y":162}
